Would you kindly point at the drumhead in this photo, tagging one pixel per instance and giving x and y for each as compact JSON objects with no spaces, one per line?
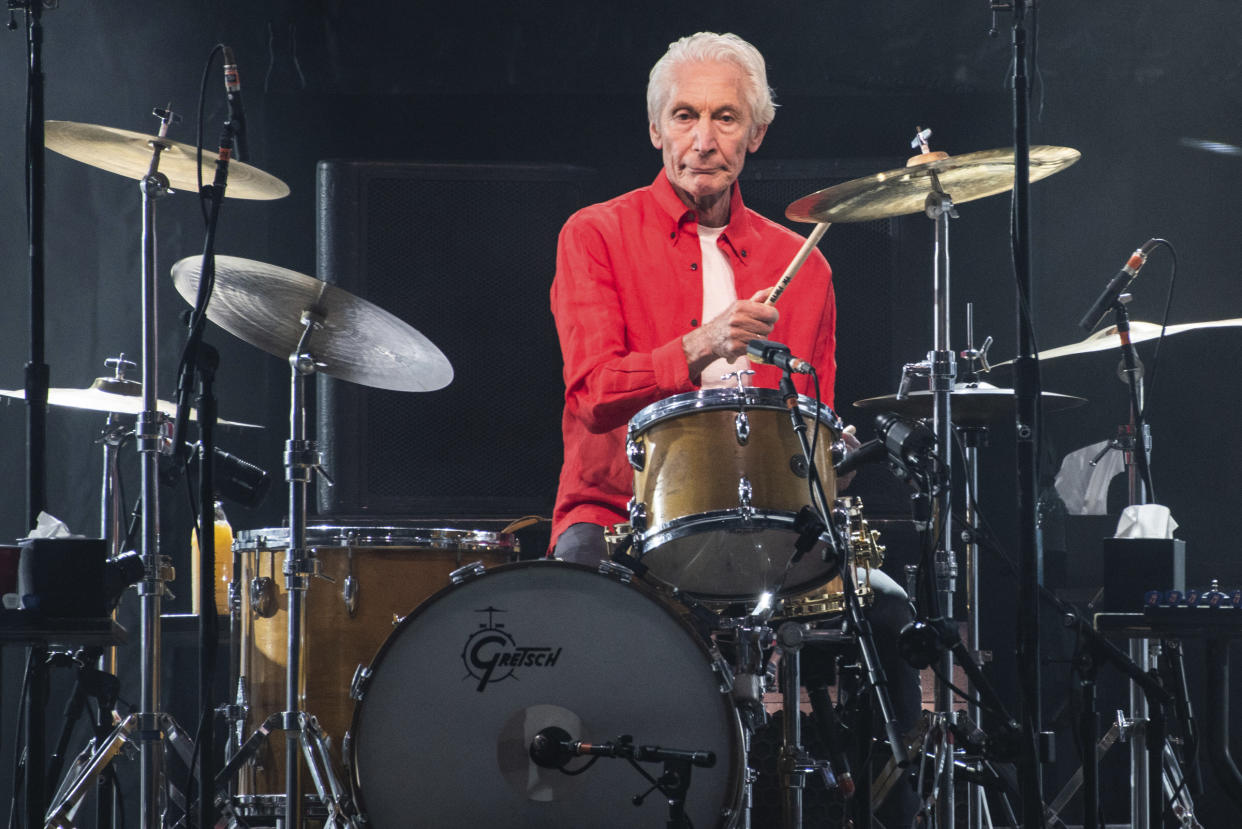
{"x":394,"y":535}
{"x":727,"y":398}
{"x":442,"y":734}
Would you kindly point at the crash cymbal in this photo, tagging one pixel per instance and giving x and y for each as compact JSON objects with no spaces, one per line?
{"x":129,"y":154}
{"x":108,"y":394}
{"x":971,"y":404}
{"x":898,"y":192}
{"x":356,"y":341}
{"x":1107,"y":339}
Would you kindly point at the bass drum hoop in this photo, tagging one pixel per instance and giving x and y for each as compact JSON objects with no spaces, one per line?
{"x":736,"y":764}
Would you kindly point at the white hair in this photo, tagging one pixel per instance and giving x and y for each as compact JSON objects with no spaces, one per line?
{"x":709,"y":46}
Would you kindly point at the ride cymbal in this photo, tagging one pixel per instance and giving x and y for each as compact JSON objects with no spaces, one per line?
{"x":899,"y":192}
{"x":971,"y":404}
{"x":353,"y":339}
{"x":108,"y":394}
{"x":128,"y":154}
{"x":1107,"y":339}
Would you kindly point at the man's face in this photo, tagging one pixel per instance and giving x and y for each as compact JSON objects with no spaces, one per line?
{"x":705,"y":130}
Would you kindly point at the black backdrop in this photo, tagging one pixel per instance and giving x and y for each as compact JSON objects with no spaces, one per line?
{"x":561,"y":83}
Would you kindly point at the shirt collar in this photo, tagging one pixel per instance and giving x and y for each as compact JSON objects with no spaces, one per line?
{"x":740,"y":232}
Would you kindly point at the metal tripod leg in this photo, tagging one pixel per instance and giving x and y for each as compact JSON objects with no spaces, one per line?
{"x":84,"y":771}
{"x":314,"y":750}
{"x":91,"y":762}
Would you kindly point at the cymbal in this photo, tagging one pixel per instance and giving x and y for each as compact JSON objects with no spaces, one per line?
{"x":355,"y":341}
{"x":971,"y":404}
{"x":128,"y":154}
{"x":108,"y":394}
{"x":1107,"y":339}
{"x":898,"y":192}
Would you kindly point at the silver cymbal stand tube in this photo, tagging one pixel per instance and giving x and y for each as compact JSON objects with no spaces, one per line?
{"x":301,"y":458}
{"x":151,"y":589}
{"x":943,"y":372}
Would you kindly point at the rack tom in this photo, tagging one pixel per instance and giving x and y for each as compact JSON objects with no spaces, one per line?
{"x":719,"y":480}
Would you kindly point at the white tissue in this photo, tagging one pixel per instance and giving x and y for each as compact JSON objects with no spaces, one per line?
{"x":1146,"y":521}
{"x":49,"y":526}
{"x":1083,"y":487}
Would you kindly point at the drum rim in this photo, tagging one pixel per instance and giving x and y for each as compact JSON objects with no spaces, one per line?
{"x":756,"y":397}
{"x":377,"y":535}
{"x":687,"y":526}
{"x":737,"y":764}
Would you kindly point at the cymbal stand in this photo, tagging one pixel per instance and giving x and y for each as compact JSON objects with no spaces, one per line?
{"x":304,"y":739}
{"x":973,"y":436}
{"x":941,"y":369}
{"x":1136,"y":442}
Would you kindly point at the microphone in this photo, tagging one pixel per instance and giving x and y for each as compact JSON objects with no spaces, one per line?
{"x":776,"y":354}
{"x":1117,"y":285}
{"x":904,"y":441}
{"x":551,"y":748}
{"x":237,"y":114}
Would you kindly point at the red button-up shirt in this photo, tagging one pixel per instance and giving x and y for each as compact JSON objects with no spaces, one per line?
{"x":628,"y":286}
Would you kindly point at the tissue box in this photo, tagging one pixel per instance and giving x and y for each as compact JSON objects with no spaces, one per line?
{"x":63,"y":577}
{"x":1132,"y":566}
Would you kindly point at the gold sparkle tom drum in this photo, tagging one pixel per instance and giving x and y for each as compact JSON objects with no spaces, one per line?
{"x":719,"y":479}
{"x":368,"y":577}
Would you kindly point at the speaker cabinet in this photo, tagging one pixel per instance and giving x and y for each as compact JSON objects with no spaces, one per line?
{"x":465,"y":253}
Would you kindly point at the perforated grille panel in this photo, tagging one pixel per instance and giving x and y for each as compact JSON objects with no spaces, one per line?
{"x":466,"y":255}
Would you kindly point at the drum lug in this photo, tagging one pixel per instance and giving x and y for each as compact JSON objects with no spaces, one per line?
{"x":349,"y":592}
{"x":744,"y":492}
{"x":638,"y":517}
{"x":741,"y":427}
{"x":636,"y":452}
{"x":466,"y":572}
{"x":619,"y":572}
{"x":263,"y":597}
{"x":358,"y":685}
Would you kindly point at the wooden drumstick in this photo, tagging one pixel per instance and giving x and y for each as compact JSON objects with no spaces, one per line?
{"x":796,"y":264}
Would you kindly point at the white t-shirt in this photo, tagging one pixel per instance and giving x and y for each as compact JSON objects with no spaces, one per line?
{"x":719,"y":292}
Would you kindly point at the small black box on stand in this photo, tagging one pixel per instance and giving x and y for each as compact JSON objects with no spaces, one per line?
{"x":1132,"y":566}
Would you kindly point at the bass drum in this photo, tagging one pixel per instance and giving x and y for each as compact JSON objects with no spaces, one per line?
{"x":442,"y":731}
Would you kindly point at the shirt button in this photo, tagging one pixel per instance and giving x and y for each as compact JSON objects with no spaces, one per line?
{"x":743,"y":253}
{"x":672,"y":235}
{"x":694,"y":266}
{"x":694,"y":323}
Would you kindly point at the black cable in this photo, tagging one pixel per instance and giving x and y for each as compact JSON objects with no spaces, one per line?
{"x":19,"y":756}
{"x":198,"y":124}
{"x":1164,"y":324}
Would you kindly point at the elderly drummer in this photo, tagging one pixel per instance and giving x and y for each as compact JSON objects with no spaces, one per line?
{"x":658,"y":291}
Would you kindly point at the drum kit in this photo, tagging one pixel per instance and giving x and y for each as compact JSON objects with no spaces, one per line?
{"x":458,"y":689}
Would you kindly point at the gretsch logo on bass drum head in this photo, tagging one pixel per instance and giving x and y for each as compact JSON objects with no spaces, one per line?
{"x":492,"y":655}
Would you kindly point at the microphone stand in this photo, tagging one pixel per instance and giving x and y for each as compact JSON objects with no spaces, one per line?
{"x":1027,"y":405}
{"x":791,"y":636}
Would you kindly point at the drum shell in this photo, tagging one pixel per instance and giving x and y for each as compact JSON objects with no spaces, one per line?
{"x":393,"y":569}
{"x":428,"y":731}
{"x":698,"y":532}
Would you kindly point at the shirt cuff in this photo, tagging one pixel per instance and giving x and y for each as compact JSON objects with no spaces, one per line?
{"x":672,"y":375}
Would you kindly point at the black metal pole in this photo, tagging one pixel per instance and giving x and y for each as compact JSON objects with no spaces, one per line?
{"x":208,"y":639}
{"x":1027,"y":391}
{"x":37,"y":381}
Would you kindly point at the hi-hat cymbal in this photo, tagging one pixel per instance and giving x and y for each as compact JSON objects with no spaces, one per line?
{"x":354,"y":340}
{"x":1107,"y":339}
{"x":128,"y":154}
{"x":898,"y":192}
{"x":108,"y":394}
{"x":971,"y":404}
